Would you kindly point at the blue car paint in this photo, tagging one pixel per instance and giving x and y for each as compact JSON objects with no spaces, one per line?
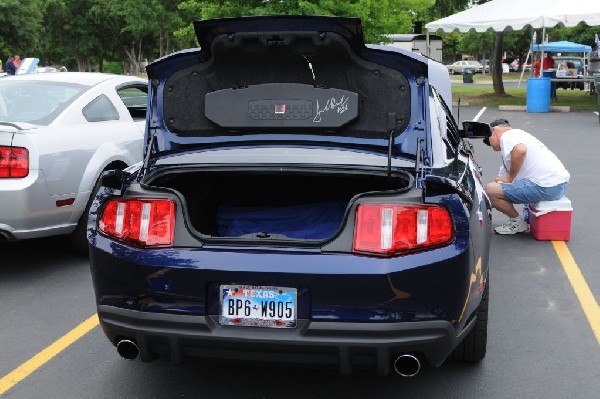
{"x":425,"y":272}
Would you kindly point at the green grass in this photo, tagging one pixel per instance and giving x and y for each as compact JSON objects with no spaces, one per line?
{"x":483,"y":94}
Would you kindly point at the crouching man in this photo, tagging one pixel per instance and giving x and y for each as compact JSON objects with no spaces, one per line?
{"x":530,"y":173}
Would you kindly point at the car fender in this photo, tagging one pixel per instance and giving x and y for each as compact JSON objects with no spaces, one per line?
{"x":107,"y":154}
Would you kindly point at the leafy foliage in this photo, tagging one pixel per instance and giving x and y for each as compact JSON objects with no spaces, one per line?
{"x":89,"y":34}
{"x":379,"y":17}
{"x":20,"y":26}
{"x":84,"y":34}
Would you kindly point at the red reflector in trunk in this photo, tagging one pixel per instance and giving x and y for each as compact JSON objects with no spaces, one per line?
{"x":389,"y":229}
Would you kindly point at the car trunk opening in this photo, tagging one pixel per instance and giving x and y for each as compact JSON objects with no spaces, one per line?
{"x":299,"y":205}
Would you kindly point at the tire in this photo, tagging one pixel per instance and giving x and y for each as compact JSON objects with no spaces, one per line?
{"x":473,"y":347}
{"x":78,"y":238}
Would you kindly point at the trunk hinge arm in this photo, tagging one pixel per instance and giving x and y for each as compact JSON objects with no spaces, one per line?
{"x":389,"y":160}
{"x":420,"y":172}
{"x":149,"y":152}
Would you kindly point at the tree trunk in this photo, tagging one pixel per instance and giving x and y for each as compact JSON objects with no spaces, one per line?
{"x":161,"y":50}
{"x":496,"y":64}
{"x":84,"y":65}
{"x":133,"y":59}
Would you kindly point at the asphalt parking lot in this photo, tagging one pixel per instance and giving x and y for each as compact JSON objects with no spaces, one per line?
{"x":544,"y":329}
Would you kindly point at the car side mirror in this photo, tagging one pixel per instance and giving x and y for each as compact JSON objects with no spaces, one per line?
{"x":475,"y":130}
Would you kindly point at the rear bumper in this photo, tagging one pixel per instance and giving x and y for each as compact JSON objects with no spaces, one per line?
{"x":347,"y":346}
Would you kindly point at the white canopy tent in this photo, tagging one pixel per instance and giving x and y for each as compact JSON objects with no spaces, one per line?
{"x":506,"y":15}
{"x":500,"y":15}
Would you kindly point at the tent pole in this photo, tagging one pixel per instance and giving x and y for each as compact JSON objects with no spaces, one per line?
{"x":483,"y":70}
{"x":543,"y":44}
{"x":527,"y":57}
{"x":427,"y":42}
{"x":523,"y":68}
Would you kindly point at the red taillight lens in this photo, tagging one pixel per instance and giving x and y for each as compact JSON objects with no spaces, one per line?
{"x":388,"y":229}
{"x":142,"y":222}
{"x":14,"y":162}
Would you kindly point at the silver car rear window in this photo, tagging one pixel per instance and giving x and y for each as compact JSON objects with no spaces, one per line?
{"x":35,"y":102}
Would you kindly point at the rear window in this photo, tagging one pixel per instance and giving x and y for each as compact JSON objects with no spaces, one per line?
{"x":35,"y":102}
{"x":569,"y":62}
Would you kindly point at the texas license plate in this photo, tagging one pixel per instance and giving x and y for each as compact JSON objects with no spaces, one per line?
{"x":258,"y":306}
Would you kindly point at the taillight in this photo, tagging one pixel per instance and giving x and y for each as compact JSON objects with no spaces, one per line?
{"x":14,"y":162}
{"x":141,"y":222}
{"x":389,"y":229}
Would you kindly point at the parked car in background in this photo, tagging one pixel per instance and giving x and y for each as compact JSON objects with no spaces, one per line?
{"x":576,"y":64}
{"x":45,"y":69}
{"x":58,"y":133}
{"x":569,"y":67}
{"x":275,"y":219}
{"x":459,"y":67}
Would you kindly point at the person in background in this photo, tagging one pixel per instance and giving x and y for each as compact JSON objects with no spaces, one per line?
{"x":593,"y":65}
{"x":548,"y":64}
{"x":530,"y":173}
{"x":10,"y":66}
{"x":17,"y":62}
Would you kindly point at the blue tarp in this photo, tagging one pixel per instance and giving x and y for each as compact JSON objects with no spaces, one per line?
{"x":310,"y":221}
{"x":563,"y":46}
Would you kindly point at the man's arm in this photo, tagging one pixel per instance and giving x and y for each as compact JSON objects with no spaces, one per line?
{"x":517,"y":157}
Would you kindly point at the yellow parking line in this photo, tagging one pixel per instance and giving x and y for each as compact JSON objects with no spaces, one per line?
{"x":37,"y":361}
{"x":582,"y":290}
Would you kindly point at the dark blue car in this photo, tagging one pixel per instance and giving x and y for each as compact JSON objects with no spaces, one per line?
{"x":304,"y":199}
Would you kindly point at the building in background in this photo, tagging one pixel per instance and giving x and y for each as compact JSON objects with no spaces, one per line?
{"x":418,"y":44}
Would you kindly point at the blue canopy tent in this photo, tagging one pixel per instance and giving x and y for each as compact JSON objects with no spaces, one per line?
{"x":562,"y":46}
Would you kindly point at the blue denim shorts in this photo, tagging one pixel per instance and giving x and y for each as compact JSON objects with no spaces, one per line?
{"x":523,"y":191}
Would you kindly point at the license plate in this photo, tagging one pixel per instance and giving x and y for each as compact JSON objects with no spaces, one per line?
{"x":258,"y":306}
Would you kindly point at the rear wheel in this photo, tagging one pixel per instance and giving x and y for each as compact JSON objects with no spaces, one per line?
{"x":78,"y":237}
{"x":473,"y":347}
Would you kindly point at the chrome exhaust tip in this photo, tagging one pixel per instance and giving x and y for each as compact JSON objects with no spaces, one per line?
{"x":128,"y":349}
{"x":407,"y":365}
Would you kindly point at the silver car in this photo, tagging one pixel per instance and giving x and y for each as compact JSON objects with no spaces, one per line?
{"x":460,"y":67}
{"x":58,"y":133}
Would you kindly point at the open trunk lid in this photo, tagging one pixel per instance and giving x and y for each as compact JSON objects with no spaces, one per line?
{"x":292,"y":80}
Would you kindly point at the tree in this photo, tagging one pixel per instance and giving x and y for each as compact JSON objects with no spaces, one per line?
{"x":444,"y":8}
{"x":479,"y":44}
{"x":145,"y":28}
{"x":379,"y":17}
{"x":451,"y":46}
{"x":496,"y":64}
{"x":71,"y":34}
{"x":20,"y":26}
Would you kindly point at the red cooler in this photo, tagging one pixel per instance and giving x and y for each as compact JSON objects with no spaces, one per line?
{"x":551,"y":220}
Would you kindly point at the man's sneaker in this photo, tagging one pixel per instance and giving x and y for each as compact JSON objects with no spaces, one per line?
{"x":512,"y":226}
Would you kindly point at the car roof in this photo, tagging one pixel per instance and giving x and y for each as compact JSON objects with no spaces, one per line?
{"x":85,"y":78}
